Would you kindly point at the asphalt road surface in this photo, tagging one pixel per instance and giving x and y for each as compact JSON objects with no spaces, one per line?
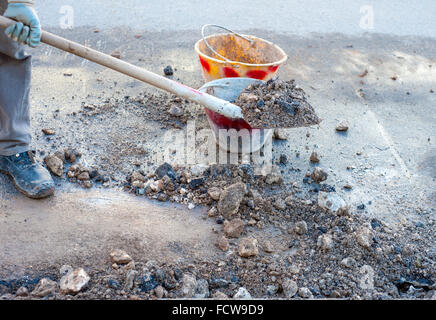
{"x":392,"y":123}
{"x":399,"y":17}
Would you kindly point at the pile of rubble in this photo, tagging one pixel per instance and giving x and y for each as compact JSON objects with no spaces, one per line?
{"x":63,"y":163}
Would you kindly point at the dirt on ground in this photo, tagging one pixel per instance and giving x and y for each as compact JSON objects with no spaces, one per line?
{"x":285,"y":235}
{"x":277,"y":243}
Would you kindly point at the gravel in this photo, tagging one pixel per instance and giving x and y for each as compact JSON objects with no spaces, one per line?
{"x":336,"y":253}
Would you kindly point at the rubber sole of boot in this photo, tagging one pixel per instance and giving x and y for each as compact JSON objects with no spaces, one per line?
{"x":41,"y":195}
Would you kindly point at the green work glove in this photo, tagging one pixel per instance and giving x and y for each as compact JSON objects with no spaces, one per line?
{"x":28,"y":29}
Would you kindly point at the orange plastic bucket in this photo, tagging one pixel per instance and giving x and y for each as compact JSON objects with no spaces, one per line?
{"x":232,"y":55}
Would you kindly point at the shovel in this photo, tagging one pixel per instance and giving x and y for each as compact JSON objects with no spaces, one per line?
{"x":228,"y":110}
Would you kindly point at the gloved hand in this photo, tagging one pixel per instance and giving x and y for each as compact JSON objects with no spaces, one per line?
{"x":28,"y":29}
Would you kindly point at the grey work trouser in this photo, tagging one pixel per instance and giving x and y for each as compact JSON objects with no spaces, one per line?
{"x":15,"y":67}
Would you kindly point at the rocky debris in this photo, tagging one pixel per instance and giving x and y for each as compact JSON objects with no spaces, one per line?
{"x":65,"y":269}
{"x":48,"y":132}
{"x":348,"y":262}
{"x":198,"y":170}
{"x":148,"y":282}
{"x":212,"y":212}
{"x":230,"y":199}
{"x":234,"y":228}
{"x":218,"y":295}
{"x":364,"y":236}
{"x":280,"y":134}
{"x":318,"y":175}
{"x":223,"y":243}
{"x":168,"y":71}
{"x":155,"y":186}
{"x":363,"y":74}
{"x":325,"y":242}
{"x":55,"y":165}
{"x":175,"y":111}
{"x":344,"y":211}
{"x":22,"y":292}
{"x":137,"y":177}
{"x":305,"y":293}
{"x":275,"y":176}
{"x":60,"y":155}
{"x":276,"y":104}
{"x":165,"y":170}
{"x":44,"y":288}
{"x":74,"y":282}
{"x":272,"y":289}
{"x":283,"y":159}
{"x":290,"y":288}
{"x":326,"y":274}
{"x":242,"y":294}
{"x":189,"y":286}
{"x":289,"y":201}
{"x":120,"y":257}
{"x":159,"y":292}
{"x":267,"y":246}
{"x":216,"y":283}
{"x":82,"y":175}
{"x":71,"y":155}
{"x":114,"y":284}
{"x":162,"y":198}
{"x":342,"y":126}
{"x":300,"y":227}
{"x":87,"y":184}
{"x":202,"y":291}
{"x":130,"y":279}
{"x":214,"y":193}
{"x":195,"y":183}
{"x":293,"y":269}
{"x":280,"y":204}
{"x":325,"y":271}
{"x":248,"y":247}
{"x":138,"y":184}
{"x":314,"y":157}
{"x":331,"y":201}
{"x":210,"y":186}
{"x":159,"y":275}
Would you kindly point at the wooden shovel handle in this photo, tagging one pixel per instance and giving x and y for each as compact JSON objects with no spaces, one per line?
{"x":218,"y":105}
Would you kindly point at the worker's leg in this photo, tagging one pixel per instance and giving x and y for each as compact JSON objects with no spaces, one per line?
{"x":15,"y":68}
{"x":29,"y":177}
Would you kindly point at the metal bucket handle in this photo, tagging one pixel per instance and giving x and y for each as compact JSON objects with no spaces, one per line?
{"x":213,"y":50}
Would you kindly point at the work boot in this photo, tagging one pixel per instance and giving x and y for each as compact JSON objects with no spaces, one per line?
{"x":30,"y":178}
